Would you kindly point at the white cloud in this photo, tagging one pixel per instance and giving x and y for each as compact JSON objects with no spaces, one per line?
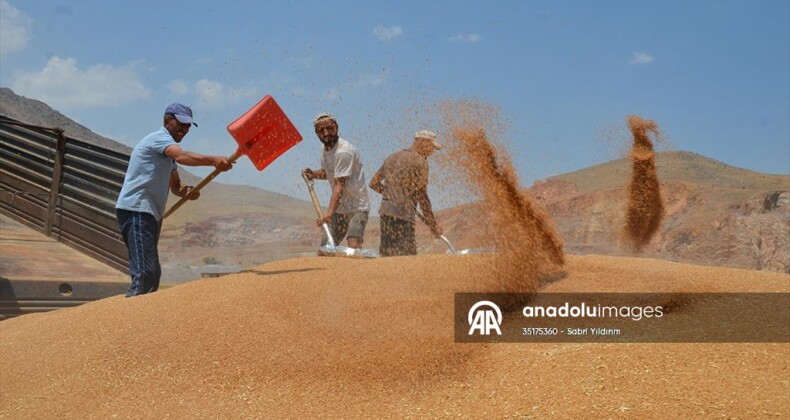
{"x":209,"y":92}
{"x":641,"y":58}
{"x":178,"y":87}
{"x":356,"y":84}
{"x":14,"y":29}
{"x":212,"y":94}
{"x":466,"y":38}
{"x":360,"y":83}
{"x":385,"y":34}
{"x":63,"y":85}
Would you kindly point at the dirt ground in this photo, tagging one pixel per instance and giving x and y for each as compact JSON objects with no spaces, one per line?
{"x":56,"y":262}
{"x":333,"y":337}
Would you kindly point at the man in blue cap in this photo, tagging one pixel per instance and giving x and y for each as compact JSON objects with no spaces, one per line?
{"x":153,"y":170}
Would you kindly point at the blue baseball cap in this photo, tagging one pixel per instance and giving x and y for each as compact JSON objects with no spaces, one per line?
{"x":182,"y":113}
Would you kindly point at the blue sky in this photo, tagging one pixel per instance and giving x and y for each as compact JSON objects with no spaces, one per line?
{"x":714,"y":75}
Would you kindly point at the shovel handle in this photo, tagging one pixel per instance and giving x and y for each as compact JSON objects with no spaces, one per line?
{"x":424,"y":219}
{"x":232,"y":159}
{"x":330,"y":240}
{"x":313,"y":197}
{"x":447,"y":242}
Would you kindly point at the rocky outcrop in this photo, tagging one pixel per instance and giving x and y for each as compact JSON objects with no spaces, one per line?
{"x":707,"y":222}
{"x":698,"y":228}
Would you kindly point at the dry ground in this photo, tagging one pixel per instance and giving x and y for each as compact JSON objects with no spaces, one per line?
{"x":332,"y":337}
{"x":26,"y":254}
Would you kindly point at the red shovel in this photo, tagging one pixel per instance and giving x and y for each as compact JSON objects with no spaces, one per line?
{"x":263,"y":133}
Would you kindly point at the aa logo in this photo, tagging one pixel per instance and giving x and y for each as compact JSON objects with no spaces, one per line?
{"x":484,"y":317}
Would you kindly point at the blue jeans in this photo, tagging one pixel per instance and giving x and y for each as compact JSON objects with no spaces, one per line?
{"x":140,"y":231}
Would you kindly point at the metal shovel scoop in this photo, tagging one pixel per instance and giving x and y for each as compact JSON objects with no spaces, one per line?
{"x":331,"y":249}
{"x":450,"y":248}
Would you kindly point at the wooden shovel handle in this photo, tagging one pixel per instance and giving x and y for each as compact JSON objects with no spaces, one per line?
{"x":313,"y":197}
{"x":232,"y":159}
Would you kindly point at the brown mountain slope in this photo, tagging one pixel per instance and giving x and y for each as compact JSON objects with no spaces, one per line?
{"x":676,"y":166}
{"x":36,"y":112}
{"x":716,"y":214}
{"x":219,"y":199}
{"x":333,"y":337}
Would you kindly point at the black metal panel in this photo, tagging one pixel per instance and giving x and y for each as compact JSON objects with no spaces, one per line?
{"x":104,"y":221}
{"x":108,"y":158}
{"x":92,"y":232}
{"x":102,"y":255}
{"x":21,"y":167}
{"x":26,"y":203}
{"x":96,"y":168}
{"x":76,"y":226}
{"x":82,"y":213}
{"x":97,"y":199}
{"x":34,"y":141}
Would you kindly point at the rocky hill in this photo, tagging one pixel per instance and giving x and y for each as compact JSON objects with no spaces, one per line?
{"x":36,"y":112}
{"x":716,"y":214}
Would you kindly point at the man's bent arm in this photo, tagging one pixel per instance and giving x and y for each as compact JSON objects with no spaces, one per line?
{"x":182,"y":157}
{"x":375,"y":182}
{"x":178,"y":188}
{"x":427,"y":211}
{"x":337,"y":194}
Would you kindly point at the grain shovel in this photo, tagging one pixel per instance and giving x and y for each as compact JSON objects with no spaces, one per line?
{"x":263,"y":133}
{"x":331,"y":249}
{"x":450,"y":248}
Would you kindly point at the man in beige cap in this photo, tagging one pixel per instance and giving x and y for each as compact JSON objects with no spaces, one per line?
{"x":347,"y":213}
{"x":402,"y":181}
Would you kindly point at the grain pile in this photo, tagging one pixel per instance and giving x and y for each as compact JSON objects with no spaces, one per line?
{"x":645,"y":208}
{"x":333,"y":337}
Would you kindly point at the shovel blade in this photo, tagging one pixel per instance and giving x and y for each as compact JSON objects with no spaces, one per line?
{"x":264,"y":132}
{"x":344,"y":251}
{"x":471,"y":251}
{"x":451,"y":249}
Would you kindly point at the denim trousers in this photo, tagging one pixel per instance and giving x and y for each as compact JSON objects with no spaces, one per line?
{"x":140,"y":232}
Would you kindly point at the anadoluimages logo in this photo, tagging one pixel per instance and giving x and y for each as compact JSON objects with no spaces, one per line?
{"x":485,"y":316}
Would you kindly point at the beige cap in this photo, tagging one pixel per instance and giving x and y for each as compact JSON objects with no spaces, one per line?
{"x":324,"y":116}
{"x":428,"y":135}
